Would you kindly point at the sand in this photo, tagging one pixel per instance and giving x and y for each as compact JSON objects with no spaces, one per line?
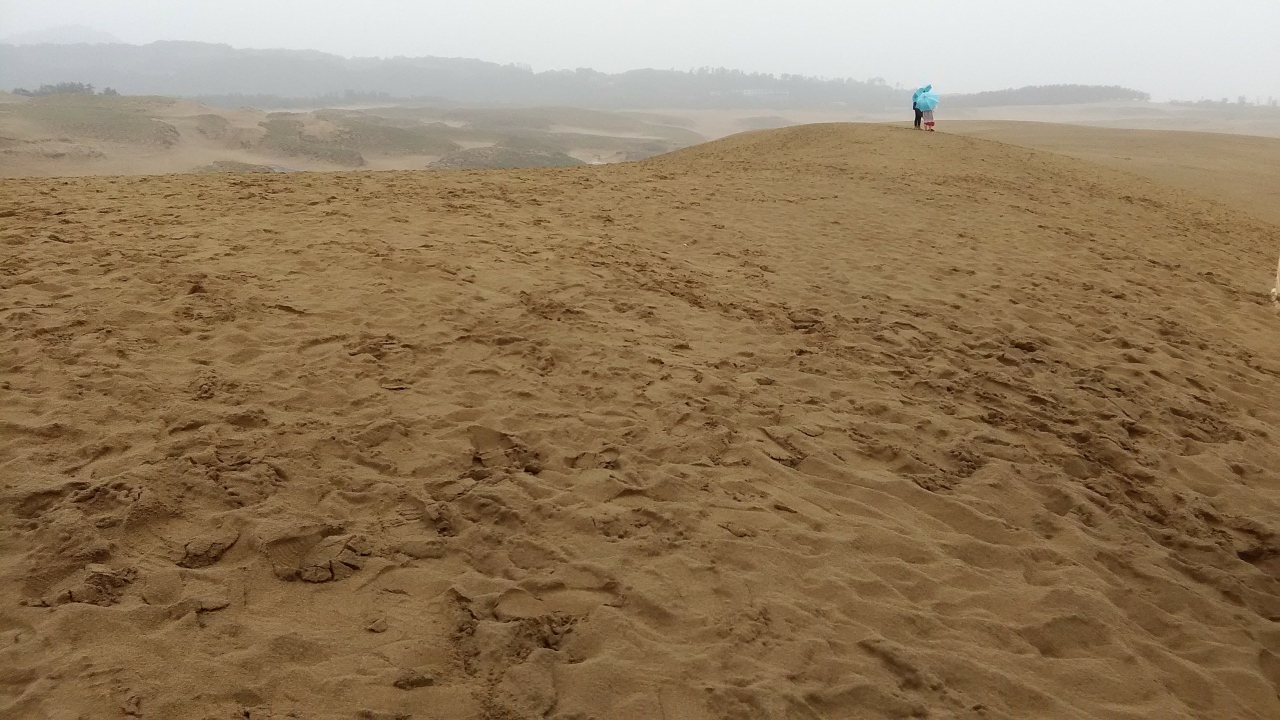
{"x":1238,"y":170}
{"x":1225,"y":119}
{"x":775,"y":427}
{"x":1253,"y":120}
{"x":65,"y":136}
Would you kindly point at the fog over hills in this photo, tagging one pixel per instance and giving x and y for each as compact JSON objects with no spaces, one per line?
{"x":228,"y":76}
{"x":64,"y":34}
{"x":199,"y":69}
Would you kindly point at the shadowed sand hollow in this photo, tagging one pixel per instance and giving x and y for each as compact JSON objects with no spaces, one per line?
{"x":783,"y":426}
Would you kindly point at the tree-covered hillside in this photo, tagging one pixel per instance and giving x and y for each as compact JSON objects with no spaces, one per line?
{"x":187,"y":69}
{"x":1048,"y":95}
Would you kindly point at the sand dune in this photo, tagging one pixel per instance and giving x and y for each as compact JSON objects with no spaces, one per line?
{"x":1249,"y":121}
{"x":1239,"y":170}
{"x":1205,"y":118}
{"x":773,"y":427}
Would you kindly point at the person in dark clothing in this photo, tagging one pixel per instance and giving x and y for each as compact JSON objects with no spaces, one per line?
{"x":919,"y":114}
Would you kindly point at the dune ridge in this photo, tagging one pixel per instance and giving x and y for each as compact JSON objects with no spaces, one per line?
{"x":1238,"y":170}
{"x":779,"y":426}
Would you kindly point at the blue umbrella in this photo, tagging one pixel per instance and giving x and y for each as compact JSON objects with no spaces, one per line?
{"x":927,"y":99}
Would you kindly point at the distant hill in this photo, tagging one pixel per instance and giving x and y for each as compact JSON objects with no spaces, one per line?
{"x":65,"y":34}
{"x":222,"y":74}
{"x":1047,"y":95}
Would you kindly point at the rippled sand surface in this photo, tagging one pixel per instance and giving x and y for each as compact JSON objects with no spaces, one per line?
{"x":826,"y":422}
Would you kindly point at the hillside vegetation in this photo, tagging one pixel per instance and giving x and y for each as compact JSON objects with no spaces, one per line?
{"x":111,"y":119}
{"x":1048,"y":95}
{"x":81,"y":132}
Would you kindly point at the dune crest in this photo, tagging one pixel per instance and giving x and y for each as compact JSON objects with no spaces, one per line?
{"x":780,"y":426}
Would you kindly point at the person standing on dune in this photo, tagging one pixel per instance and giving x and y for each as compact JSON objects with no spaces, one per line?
{"x":925,"y":100}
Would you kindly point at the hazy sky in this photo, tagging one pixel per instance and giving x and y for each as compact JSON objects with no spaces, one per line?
{"x":1184,"y":49}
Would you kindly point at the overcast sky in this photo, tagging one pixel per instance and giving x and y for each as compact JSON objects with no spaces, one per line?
{"x":1182,"y":49}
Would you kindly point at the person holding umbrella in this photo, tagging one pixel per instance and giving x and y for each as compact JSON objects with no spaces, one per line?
{"x":915,"y":105}
{"x":925,"y":100}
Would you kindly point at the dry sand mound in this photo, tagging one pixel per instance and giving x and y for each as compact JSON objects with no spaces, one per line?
{"x":776,"y":427}
{"x":1236,"y":169}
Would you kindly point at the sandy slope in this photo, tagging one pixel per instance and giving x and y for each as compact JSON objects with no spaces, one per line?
{"x":1233,"y":119}
{"x":773,"y":427}
{"x":1239,"y":170}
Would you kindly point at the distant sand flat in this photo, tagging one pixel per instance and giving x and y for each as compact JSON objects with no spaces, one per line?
{"x":779,"y":426}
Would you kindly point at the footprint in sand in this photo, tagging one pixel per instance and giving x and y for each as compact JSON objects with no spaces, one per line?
{"x":206,"y":550}
{"x":95,"y":585}
{"x":494,"y":449}
{"x":316,"y":555}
